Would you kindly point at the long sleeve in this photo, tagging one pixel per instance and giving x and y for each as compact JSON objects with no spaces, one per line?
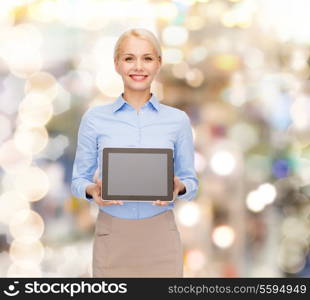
{"x":184,"y":160}
{"x":85,"y":162}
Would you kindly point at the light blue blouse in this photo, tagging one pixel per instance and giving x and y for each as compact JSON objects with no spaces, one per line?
{"x":120,"y":125}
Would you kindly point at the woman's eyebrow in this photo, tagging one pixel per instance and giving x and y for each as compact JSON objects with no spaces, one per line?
{"x":134,"y":55}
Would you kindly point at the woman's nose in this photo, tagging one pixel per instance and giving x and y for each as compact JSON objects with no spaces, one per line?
{"x":138,"y":64}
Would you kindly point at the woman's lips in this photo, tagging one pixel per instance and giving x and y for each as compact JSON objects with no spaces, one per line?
{"x":138,"y":77}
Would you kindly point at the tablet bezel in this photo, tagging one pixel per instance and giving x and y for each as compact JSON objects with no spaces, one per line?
{"x":146,"y":198}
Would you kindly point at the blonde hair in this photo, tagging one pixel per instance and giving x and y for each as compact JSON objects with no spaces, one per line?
{"x":139,"y":33}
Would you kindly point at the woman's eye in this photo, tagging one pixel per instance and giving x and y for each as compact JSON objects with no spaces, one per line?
{"x":146,"y":58}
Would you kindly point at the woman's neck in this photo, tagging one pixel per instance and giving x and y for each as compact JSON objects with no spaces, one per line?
{"x":136,"y":98}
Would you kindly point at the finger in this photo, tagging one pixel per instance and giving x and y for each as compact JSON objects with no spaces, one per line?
{"x":160,"y":203}
{"x":118,"y":202}
{"x":102,"y":202}
{"x":175,"y":188}
{"x":176,"y":183}
{"x":110,"y":202}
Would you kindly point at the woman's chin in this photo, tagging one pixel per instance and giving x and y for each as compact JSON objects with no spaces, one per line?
{"x":138,"y":87}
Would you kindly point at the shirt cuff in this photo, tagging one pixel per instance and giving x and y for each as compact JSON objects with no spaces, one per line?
{"x":83,"y":191}
{"x":188,"y":186}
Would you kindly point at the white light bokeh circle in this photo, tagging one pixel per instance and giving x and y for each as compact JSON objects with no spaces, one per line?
{"x":20,"y":37}
{"x":166,"y":10}
{"x":175,"y":35}
{"x":26,"y":250}
{"x":26,"y":223}
{"x":267,"y":192}
{"x":291,"y":225}
{"x":26,"y":63}
{"x":42,"y":83}
{"x":257,"y":200}
{"x":36,"y":109}
{"x":195,"y":259}
{"x":32,"y":182}
{"x":109,"y":83}
{"x":11,"y":202}
{"x":223,"y":162}
{"x":194,"y":77}
{"x":172,"y":56}
{"x":254,"y":201}
{"x":189,"y":214}
{"x":12,"y":160}
{"x":290,"y":257}
{"x":31,"y":140}
{"x":299,"y":112}
{"x":20,"y":49}
{"x":223,"y":236}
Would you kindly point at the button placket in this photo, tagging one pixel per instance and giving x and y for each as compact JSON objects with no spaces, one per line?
{"x":139,"y":127}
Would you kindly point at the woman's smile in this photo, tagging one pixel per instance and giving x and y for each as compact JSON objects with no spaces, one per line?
{"x":138,"y":77}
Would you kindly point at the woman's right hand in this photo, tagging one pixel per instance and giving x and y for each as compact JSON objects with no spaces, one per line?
{"x":95,"y":191}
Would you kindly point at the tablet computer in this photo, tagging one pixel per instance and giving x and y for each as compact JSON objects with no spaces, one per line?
{"x":137,"y":174}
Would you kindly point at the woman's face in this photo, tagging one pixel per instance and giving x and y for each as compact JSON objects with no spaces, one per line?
{"x":138,"y":63}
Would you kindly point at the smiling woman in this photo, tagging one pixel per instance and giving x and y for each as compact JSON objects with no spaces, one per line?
{"x":137,"y":59}
{"x":135,"y":239}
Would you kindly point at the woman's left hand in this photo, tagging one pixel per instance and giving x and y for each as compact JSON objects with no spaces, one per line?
{"x":177,"y":187}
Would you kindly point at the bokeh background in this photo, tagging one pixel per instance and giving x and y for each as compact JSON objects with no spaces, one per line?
{"x":240,"y":69}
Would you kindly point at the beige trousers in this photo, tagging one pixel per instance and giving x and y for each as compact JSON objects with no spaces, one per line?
{"x":149,"y":247}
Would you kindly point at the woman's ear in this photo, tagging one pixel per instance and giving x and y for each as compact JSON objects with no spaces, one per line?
{"x":116,"y":65}
{"x":159,"y":67}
